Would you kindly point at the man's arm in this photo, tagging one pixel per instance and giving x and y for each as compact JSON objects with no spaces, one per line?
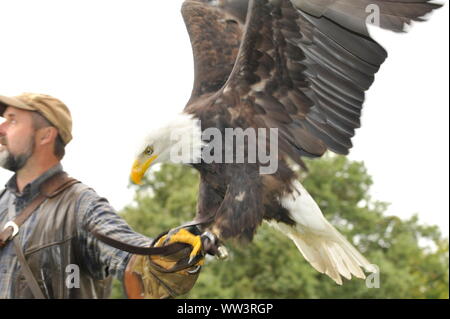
{"x":99,"y":259}
{"x":143,"y":276}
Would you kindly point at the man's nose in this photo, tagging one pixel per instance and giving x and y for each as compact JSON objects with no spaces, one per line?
{"x":3,"y":129}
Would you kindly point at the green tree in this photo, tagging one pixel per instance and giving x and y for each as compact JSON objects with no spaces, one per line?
{"x":272,"y":267}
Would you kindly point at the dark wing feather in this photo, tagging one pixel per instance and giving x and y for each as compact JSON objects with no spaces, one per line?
{"x":352,"y":14}
{"x":215,"y":32}
{"x":304,"y":69}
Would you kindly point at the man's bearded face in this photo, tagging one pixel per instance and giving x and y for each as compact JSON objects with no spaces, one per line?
{"x":17,"y":139}
{"x":15,"y":162}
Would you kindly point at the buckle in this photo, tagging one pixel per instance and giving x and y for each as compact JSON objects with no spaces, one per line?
{"x":14,"y":226}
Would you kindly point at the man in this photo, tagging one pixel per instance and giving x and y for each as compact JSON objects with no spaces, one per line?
{"x":61,"y":256}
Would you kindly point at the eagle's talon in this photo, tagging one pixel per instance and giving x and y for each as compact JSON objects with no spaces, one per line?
{"x":191,"y":258}
{"x":184,"y":236}
{"x":167,"y":238}
{"x":196,"y":248}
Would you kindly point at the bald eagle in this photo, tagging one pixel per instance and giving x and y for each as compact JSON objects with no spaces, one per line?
{"x":299,"y":66}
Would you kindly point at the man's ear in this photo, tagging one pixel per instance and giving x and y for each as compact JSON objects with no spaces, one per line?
{"x":47,"y":135}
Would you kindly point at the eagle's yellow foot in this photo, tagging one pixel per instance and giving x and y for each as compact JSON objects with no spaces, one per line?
{"x":184,"y":236}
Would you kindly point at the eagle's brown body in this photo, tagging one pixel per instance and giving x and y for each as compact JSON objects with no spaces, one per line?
{"x":301,"y":66}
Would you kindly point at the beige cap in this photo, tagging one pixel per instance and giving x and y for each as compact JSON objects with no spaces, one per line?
{"x":52,"y":109}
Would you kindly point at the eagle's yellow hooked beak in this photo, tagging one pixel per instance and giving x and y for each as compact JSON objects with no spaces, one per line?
{"x":139,"y":168}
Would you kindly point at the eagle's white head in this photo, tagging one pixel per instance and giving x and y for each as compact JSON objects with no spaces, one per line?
{"x":178,"y":141}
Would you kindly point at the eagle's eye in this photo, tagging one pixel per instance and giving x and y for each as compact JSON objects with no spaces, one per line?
{"x":149,"y":150}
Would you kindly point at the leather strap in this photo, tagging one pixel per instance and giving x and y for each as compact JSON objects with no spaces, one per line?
{"x":7,"y":234}
{"x":31,"y":280}
{"x":139,"y":250}
{"x":50,"y":188}
{"x":166,"y":250}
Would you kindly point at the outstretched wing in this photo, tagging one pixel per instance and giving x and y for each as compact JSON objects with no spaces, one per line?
{"x":215,"y":29}
{"x":304,"y":66}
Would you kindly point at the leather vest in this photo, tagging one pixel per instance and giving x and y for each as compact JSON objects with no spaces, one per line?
{"x":53,"y":255}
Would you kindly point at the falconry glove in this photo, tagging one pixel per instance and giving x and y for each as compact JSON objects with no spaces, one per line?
{"x":166,"y":275}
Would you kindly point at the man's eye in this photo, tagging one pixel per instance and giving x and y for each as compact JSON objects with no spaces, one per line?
{"x":148,"y":150}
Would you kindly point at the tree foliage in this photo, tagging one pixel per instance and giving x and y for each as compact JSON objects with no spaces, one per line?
{"x":412,"y":258}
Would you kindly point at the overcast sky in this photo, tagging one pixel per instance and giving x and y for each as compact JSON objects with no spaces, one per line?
{"x":122,"y":66}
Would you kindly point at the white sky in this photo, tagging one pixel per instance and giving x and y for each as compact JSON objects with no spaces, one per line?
{"x":122,"y":66}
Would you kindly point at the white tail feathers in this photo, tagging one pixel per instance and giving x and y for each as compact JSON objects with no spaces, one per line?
{"x":318,"y":241}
